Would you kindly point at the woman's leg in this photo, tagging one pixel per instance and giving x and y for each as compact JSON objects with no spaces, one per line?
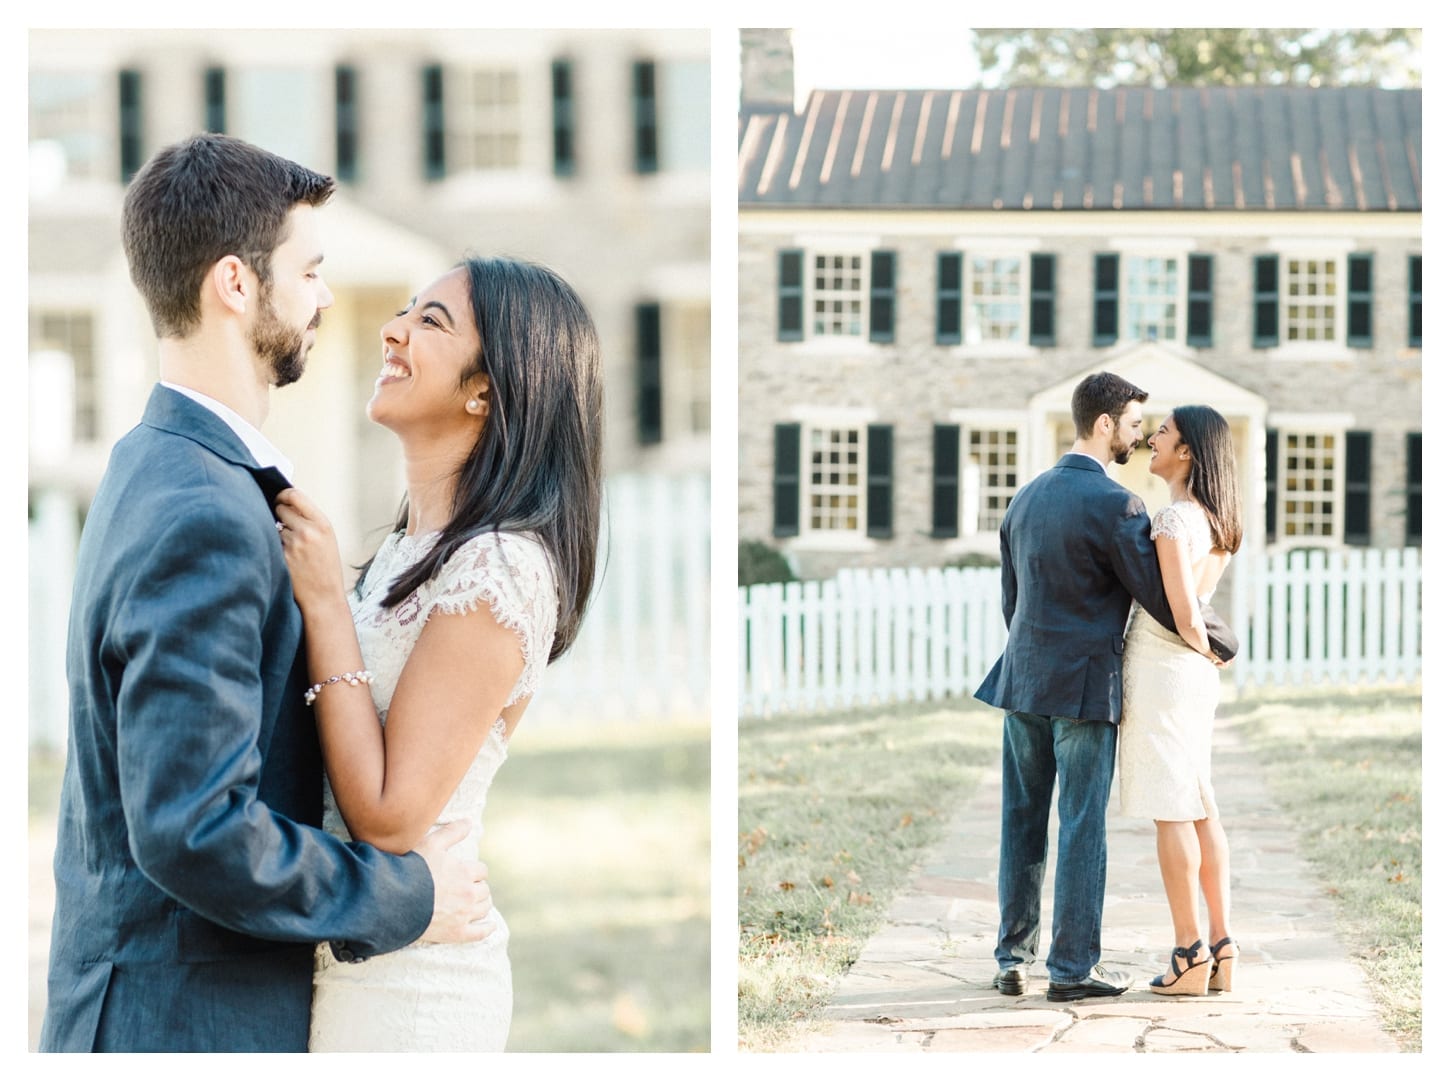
{"x":1179,"y":861}
{"x":1213,"y":875}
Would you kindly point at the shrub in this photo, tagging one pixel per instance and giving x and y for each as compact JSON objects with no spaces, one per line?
{"x":760,"y":563}
{"x":975,"y":559}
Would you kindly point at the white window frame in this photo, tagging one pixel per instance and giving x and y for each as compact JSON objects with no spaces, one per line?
{"x":1299,"y":427}
{"x":1338,"y":319}
{"x":83,"y":120}
{"x":1179,"y":299}
{"x":972,"y":336}
{"x":1333,"y":249}
{"x":685,"y":341}
{"x":466,"y":122}
{"x":813,"y":420}
{"x":86,"y":375}
{"x":973,"y":534}
{"x":813,"y":293}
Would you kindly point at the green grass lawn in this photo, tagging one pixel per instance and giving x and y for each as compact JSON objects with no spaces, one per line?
{"x":1346,"y":765}
{"x":833,"y":811}
{"x":597,"y":841}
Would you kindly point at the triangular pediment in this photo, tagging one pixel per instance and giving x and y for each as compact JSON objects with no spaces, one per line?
{"x":1170,"y":378}
{"x":366,"y":249}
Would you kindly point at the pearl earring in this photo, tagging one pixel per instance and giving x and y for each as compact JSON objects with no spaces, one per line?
{"x":472,"y":406}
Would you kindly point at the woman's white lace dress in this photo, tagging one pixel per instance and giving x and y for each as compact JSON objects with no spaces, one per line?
{"x":1170,"y":693}
{"x":430,"y":997}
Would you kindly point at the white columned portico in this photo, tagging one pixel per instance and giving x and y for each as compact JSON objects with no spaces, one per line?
{"x":1170,"y":379}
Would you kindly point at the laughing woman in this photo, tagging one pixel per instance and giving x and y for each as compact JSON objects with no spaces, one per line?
{"x":1170,"y":693}
{"x":491,"y":382}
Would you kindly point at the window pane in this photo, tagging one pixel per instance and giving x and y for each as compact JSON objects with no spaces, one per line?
{"x":835,"y":492}
{"x":996,"y":313}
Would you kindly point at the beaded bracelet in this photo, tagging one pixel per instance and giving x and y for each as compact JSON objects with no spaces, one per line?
{"x":362,"y":675}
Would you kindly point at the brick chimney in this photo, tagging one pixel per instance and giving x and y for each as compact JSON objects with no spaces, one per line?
{"x":767,"y":71}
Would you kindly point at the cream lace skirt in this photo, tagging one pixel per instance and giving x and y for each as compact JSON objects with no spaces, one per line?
{"x":1170,"y":694}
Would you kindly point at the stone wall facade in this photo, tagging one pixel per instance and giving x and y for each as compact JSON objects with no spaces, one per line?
{"x":913,"y":383}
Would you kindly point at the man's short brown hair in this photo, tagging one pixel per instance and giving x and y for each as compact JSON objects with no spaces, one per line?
{"x":198,"y":201}
{"x":1099,"y":393}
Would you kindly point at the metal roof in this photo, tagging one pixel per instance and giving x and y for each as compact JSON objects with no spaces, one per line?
{"x":1068,"y":148}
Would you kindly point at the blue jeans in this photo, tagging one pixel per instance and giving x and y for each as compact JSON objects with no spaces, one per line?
{"x":1037,"y":752}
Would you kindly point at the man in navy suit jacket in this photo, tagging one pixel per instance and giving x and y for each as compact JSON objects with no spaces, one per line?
{"x":1075,"y":554}
{"x":192,"y":882}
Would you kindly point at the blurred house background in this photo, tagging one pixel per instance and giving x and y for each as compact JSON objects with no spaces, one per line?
{"x":584,"y":150}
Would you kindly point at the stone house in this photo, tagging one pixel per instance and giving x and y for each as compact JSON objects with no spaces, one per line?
{"x":586,"y":150}
{"x":926,"y":275}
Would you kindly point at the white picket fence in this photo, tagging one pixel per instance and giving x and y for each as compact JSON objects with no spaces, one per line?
{"x":1350,"y":616}
{"x":643,"y":652}
{"x":879,"y":636}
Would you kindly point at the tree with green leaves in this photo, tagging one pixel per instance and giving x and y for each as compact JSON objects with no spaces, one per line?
{"x":1199,"y":57}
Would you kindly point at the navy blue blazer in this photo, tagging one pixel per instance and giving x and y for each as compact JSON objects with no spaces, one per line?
{"x":191,"y":879}
{"x":1076,"y":552}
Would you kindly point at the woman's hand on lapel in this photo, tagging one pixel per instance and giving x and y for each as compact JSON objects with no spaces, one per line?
{"x":310,"y":548}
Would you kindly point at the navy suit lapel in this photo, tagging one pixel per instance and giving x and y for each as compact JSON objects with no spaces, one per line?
{"x":176,"y":413}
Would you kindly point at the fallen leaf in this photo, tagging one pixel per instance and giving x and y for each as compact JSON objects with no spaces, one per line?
{"x":828,"y":881}
{"x":906,"y":820}
{"x":854,"y":898}
{"x":628,"y":1017}
{"x":786,"y":886}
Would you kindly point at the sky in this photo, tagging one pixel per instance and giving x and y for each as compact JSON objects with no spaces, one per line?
{"x":861,"y":57}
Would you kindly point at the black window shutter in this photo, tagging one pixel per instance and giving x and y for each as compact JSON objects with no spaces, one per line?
{"x":563,"y":118}
{"x":1105,"y":299}
{"x":1042,"y":312}
{"x":790,"y":308}
{"x":949,"y":298}
{"x":1356,"y":488}
{"x":946,"y":482}
{"x":1412,"y":489}
{"x":1360,"y":333}
{"x":787,"y":480}
{"x":1200,"y":301}
{"x":434,"y":163}
{"x":646,"y":120}
{"x":651,"y":395}
{"x":215,"y":94}
{"x":878,"y":480}
{"x":345,"y":121}
{"x":1415,"y":300}
{"x":1271,"y":485}
{"x":883,"y":296}
{"x":131,"y":127}
{"x":1266,"y":301}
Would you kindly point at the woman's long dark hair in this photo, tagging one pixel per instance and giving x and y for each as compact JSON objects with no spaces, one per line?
{"x":1213,"y":478}
{"x":536,"y":466}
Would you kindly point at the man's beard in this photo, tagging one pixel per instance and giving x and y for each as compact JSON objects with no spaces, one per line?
{"x":279,"y":345}
{"x":1121,"y":451}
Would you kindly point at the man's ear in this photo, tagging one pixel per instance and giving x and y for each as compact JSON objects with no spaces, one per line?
{"x":232,"y":283}
{"x":1105,"y":424}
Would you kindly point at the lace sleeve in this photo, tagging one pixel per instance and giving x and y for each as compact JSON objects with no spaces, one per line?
{"x":511,"y":572}
{"x":1169,"y":522}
